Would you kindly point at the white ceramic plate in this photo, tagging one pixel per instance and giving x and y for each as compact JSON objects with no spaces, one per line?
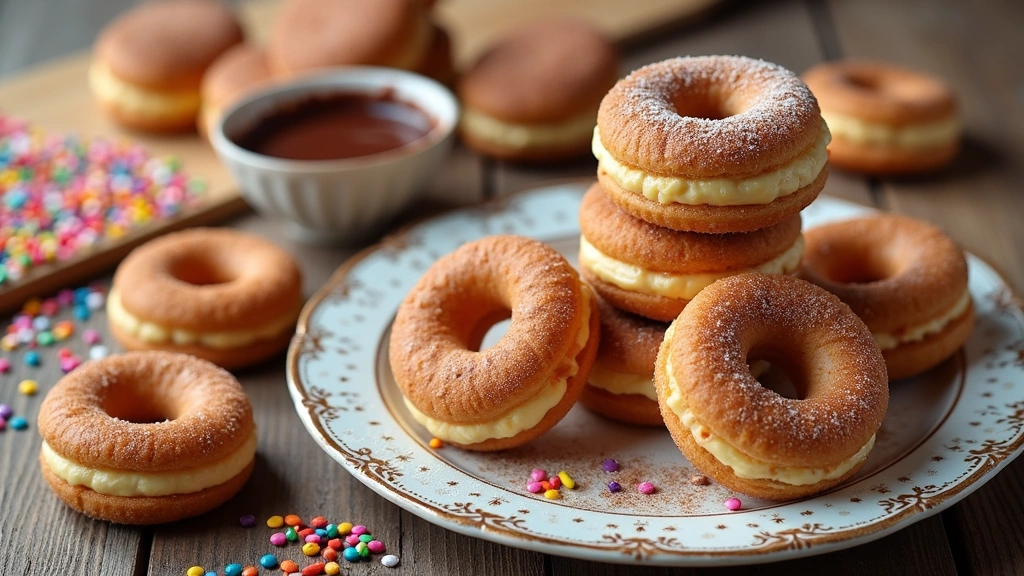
{"x":946,"y":433}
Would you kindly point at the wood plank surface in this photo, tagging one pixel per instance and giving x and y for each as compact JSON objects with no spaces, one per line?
{"x":979,"y":202}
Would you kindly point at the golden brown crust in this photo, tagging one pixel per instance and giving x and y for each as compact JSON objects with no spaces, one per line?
{"x":144,"y":510}
{"x":755,"y":487}
{"x":628,"y":408}
{"x":629,"y":343}
{"x":437,"y":63}
{"x":442,"y":320}
{"x":235,"y":73}
{"x":888,"y":160}
{"x":894,"y":272}
{"x":880,"y":92}
{"x":708,"y":117}
{"x":311,"y":34}
{"x":574,"y":387}
{"x":533,"y":154}
{"x":634,"y":241}
{"x":573,"y":63}
{"x":812,"y":336}
{"x":652,"y":306}
{"x":227,"y":358}
{"x":167,"y":124}
{"x":201,"y":414}
{"x":709,"y":219}
{"x":168,"y":45}
{"x":209,"y":280}
{"x":913,"y":358}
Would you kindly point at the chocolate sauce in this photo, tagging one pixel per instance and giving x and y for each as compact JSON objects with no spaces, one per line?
{"x":336,"y":126}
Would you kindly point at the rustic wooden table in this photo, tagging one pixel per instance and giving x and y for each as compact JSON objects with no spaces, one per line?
{"x":978,"y":200}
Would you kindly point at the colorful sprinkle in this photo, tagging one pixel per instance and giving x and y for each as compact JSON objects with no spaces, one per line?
{"x":610,"y":465}
{"x":552,"y":494}
{"x":436,"y":443}
{"x":375,"y":546}
{"x":70,"y":363}
{"x":32,"y":358}
{"x":351,"y":555}
{"x":5,"y":411}
{"x":250,"y":571}
{"x":18,"y":423}
{"x":332,"y":568}
{"x":98,"y":352}
{"x":318,"y":522}
{"x":289,"y":567}
{"x":614,"y":487}
{"x":275,"y":522}
{"x":28,"y":387}
{"x":364,"y":538}
{"x":195,"y":571}
{"x":352,"y":539}
{"x":314,"y":538}
{"x":733,"y":504}
{"x":538,"y":475}
{"x":278,"y":539}
{"x":313,"y":569}
{"x":268,"y":560}
{"x":233,"y":570}
{"x":3,"y":424}
{"x":310,"y":548}
{"x":247,"y":520}
{"x":646,"y":488}
{"x":291,"y":534}
{"x":359,"y":529}
{"x":335,"y":543}
{"x":535,"y":487}
{"x":332,"y":531}
{"x":555,"y":482}
{"x":90,"y":336}
{"x":363,"y":549}
{"x":389,"y":561}
{"x":567,"y":480}
{"x":329,"y":554}
{"x":344,"y":528}
{"x":305,"y":532}
{"x":293,"y":520}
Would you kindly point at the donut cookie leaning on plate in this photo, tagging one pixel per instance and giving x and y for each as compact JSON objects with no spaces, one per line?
{"x":621,"y":383}
{"x":519,"y":388}
{"x":885,"y":119}
{"x":654,"y":271}
{"x":225,"y":296}
{"x":711,"y":144}
{"x":146,"y":438}
{"x":906,"y":280}
{"x":237,"y":72}
{"x":312,"y":34}
{"x":748,"y":437}
{"x":534,"y":96}
{"x":149,"y":62}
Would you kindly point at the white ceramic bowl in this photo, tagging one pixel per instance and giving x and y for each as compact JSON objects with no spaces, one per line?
{"x":345,"y":200}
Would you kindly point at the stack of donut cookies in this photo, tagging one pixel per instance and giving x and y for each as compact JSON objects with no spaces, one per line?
{"x":704,"y":166}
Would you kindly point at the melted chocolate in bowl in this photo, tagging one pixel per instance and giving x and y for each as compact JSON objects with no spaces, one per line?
{"x":337,"y":126}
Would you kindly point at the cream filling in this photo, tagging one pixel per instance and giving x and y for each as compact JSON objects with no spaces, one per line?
{"x":910,"y":137}
{"x":622,"y":382}
{"x":124,"y":483}
{"x":139,"y":101}
{"x":515,"y":421}
{"x":917,"y":333}
{"x":157,"y":334}
{"x":679,"y":286}
{"x":520,"y":136}
{"x":761,"y":189}
{"x":742,"y":465}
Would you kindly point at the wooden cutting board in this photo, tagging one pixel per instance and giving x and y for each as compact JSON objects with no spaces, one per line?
{"x":56,"y":97}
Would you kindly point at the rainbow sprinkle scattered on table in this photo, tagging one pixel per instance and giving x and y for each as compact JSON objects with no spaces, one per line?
{"x":61,"y":194}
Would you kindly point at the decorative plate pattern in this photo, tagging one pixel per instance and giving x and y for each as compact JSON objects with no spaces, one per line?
{"x":946,"y":432}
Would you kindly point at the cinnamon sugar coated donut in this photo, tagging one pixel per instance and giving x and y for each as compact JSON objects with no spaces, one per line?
{"x":237,"y":72}
{"x":748,"y":437}
{"x":312,"y":34}
{"x":711,"y":144}
{"x":885,"y":119}
{"x":654,"y":271}
{"x":146,"y":438}
{"x":534,"y":95}
{"x":621,"y":383}
{"x":225,"y":296}
{"x":150,"y":61}
{"x":519,"y":388}
{"x":906,"y":280}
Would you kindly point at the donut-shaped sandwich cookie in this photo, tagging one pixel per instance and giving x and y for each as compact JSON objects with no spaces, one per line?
{"x":149,"y":62}
{"x":534,"y":95}
{"x":312,"y":34}
{"x":906,"y":280}
{"x":237,"y":72}
{"x":146,"y":438}
{"x":519,"y":388}
{"x":655,"y":271}
{"x":621,"y":383}
{"x":885,"y":119}
{"x":746,"y":436}
{"x":711,"y":144}
{"x":225,"y":296}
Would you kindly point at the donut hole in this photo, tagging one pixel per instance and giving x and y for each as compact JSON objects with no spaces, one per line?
{"x":202,"y":271}
{"x":706,"y":106}
{"x":860,"y":268}
{"x":863,"y":81}
{"x":773,"y":371}
{"x":130,"y":405}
